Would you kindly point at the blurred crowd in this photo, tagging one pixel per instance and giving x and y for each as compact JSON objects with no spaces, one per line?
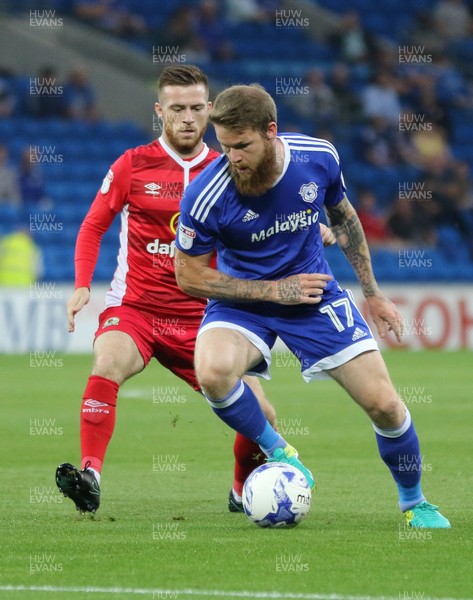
{"x":23,"y":183}
{"x":391,"y":102}
{"x":390,"y":108}
{"x":396,"y":101}
{"x":45,"y":95}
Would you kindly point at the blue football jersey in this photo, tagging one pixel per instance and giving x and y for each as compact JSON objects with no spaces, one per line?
{"x":270,"y":236}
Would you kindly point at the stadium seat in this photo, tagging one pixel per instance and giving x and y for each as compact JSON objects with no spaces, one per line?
{"x":58,"y":262}
{"x":10,"y":216}
{"x":8,"y":128}
{"x":265,"y":52}
{"x":58,"y":190}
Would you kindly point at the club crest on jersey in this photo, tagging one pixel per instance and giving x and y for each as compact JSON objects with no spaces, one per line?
{"x":308,"y":191}
{"x":107,"y":180}
{"x":111,"y":321}
{"x":186,"y":236}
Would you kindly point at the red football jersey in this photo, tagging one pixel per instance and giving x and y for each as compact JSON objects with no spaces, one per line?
{"x":145,"y":185}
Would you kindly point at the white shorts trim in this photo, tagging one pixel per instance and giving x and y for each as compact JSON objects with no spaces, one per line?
{"x":251,"y":337}
{"x":317,"y":371}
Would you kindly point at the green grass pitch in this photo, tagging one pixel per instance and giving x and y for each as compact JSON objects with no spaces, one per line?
{"x":163,"y":529}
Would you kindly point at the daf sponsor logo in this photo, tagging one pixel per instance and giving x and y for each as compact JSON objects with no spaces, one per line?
{"x":295,"y":222}
{"x":158,"y":247}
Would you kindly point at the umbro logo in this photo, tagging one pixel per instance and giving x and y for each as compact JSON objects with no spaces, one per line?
{"x":95,"y":406}
{"x":94,"y":403}
{"x":250,"y":215}
{"x":152,"y":188}
{"x":359,"y":333}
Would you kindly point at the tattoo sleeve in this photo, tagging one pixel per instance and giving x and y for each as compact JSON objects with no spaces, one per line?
{"x":350,"y":236}
{"x":196,"y":278}
{"x":225,"y":287}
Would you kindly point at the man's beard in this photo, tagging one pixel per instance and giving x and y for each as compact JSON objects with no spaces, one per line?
{"x":183,"y":146}
{"x":259,"y":179}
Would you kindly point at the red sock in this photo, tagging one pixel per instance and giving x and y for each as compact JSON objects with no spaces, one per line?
{"x":97,"y":419}
{"x":248,"y":456}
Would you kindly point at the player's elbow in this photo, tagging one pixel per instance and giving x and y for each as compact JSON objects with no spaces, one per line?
{"x":181,"y":280}
{"x":183,"y":277}
{"x":191,"y":273}
{"x":184,"y":284}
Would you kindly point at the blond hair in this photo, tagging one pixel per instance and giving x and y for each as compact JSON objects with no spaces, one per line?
{"x":241,"y":107}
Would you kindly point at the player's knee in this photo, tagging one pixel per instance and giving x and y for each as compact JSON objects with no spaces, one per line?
{"x":216,"y":378}
{"x":108,"y":365}
{"x":214,"y":386}
{"x":388,"y":411}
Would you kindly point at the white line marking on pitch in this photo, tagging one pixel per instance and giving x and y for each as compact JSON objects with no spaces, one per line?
{"x":161,"y":593}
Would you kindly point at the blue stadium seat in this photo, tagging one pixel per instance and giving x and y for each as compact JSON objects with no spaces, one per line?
{"x":463,"y":133}
{"x":463,"y":152}
{"x":58,"y":190}
{"x":266,"y":52}
{"x":58,"y":129}
{"x":8,"y":128}
{"x":10,"y":216}
{"x":451,"y":244}
{"x":58,"y":262}
{"x":106,"y":264}
{"x":76,"y":170}
{"x":379,"y":23}
{"x":338,"y":6}
{"x":80,"y":129}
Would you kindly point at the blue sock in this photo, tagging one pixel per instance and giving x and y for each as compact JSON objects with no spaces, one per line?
{"x":399,"y":449}
{"x":240,"y":410}
{"x":269,"y":440}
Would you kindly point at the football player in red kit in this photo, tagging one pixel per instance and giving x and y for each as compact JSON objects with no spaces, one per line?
{"x":146,"y":314}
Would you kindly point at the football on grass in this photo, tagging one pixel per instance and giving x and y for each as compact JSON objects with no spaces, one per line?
{"x":276,"y":495}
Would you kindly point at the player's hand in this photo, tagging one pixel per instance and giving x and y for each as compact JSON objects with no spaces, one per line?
{"x":385,"y":315}
{"x":76,"y":302}
{"x":327,"y":235}
{"x":306,"y":288}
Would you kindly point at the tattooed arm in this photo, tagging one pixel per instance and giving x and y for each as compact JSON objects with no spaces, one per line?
{"x":350,"y":236}
{"x":196,"y":278}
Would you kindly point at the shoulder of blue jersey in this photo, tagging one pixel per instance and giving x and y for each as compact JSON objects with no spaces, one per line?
{"x":302,"y":142}
{"x":204,"y":191}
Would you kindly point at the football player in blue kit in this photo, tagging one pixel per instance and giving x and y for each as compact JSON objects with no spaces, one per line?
{"x":258,"y":207}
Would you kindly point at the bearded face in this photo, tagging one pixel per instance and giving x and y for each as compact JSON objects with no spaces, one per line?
{"x":184,"y":138}
{"x":184,"y":112}
{"x":257,"y":178}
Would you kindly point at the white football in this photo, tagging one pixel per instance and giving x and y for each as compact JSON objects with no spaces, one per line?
{"x":276,"y":495}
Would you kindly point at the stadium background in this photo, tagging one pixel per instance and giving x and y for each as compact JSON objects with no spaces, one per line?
{"x":165,"y":534}
{"x":280,"y":49}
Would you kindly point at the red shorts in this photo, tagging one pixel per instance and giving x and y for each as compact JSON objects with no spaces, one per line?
{"x":171,"y":340}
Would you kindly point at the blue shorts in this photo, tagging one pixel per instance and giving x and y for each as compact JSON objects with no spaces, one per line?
{"x":321,"y":336}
